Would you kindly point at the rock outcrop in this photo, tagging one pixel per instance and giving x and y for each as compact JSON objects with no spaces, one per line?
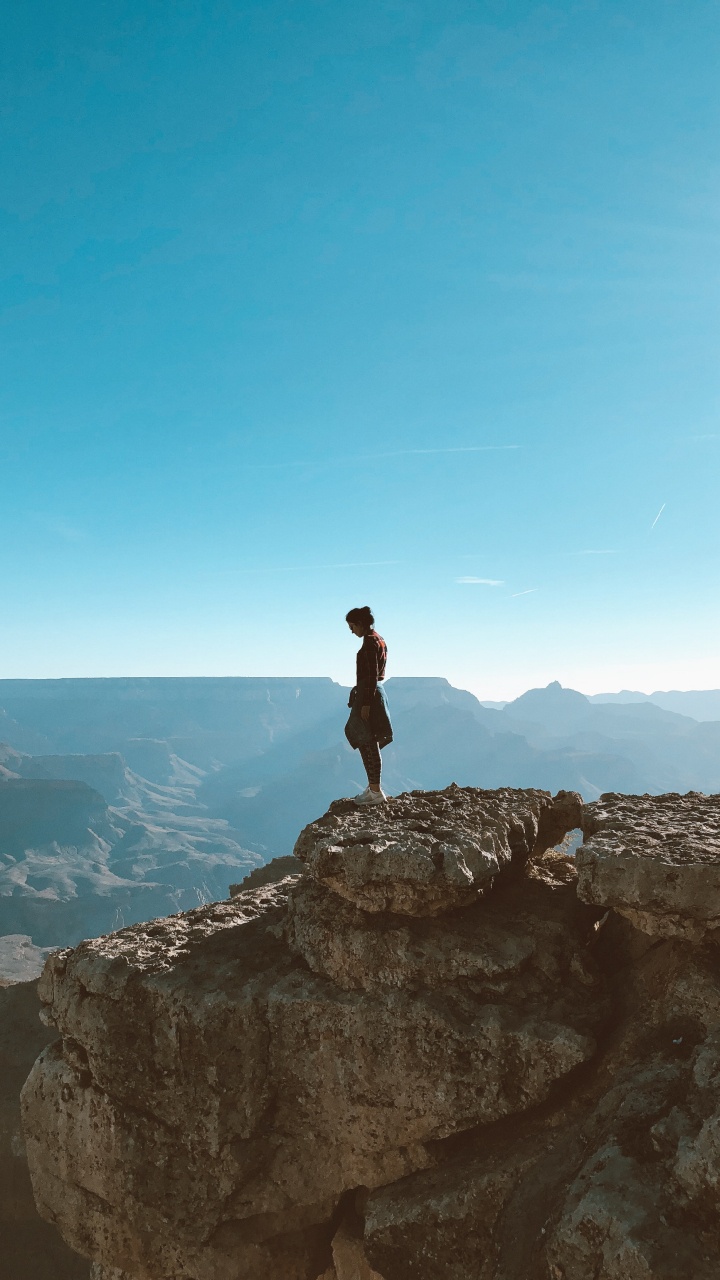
{"x":428,"y":852}
{"x":656,"y":860}
{"x":424,"y":1057}
{"x":272,"y":871}
{"x":30,"y":1249}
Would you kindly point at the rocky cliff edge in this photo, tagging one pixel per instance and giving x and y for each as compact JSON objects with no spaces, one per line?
{"x":441,"y":1052}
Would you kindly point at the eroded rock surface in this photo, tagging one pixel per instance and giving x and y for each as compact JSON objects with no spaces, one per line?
{"x":614,"y":1181}
{"x":429,"y":851}
{"x":29,"y":1248}
{"x":517,"y":1086}
{"x":656,"y":860}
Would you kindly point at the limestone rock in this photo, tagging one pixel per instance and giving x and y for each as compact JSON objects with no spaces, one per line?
{"x":430,"y":851}
{"x":611,"y":1226}
{"x":656,"y":860}
{"x":441,"y":1224}
{"x":615,"y":1181}
{"x":29,"y":1247}
{"x":304,"y":1084}
{"x":224,"y":1076}
{"x":260,"y":1088}
{"x":643,"y":1200}
{"x":362,"y":951}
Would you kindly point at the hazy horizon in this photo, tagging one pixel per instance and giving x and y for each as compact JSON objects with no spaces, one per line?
{"x":348,"y":680}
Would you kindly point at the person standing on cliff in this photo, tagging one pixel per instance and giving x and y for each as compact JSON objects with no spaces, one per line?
{"x":368,"y":728}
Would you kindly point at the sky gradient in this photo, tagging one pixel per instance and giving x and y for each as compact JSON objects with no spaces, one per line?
{"x":311,"y":305}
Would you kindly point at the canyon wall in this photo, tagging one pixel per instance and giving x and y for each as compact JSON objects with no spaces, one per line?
{"x":30,"y":1249}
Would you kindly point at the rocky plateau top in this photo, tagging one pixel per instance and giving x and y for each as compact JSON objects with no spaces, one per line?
{"x":428,"y":852}
{"x":444,"y":1050}
{"x":656,"y":860}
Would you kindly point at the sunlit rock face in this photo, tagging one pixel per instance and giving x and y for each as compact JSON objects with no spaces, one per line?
{"x":656,"y":860}
{"x":305,"y":1084}
{"x":430,"y":851}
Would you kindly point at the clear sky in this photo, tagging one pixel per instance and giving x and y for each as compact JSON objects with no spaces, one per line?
{"x":308,"y":304}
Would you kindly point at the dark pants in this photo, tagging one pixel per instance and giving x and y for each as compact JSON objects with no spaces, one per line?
{"x":370,"y":753}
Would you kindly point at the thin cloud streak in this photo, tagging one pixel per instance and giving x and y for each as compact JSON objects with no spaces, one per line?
{"x":529,"y":592}
{"x":373,"y":457}
{"x":306,"y":568}
{"x":652,"y":526}
{"x":483,"y":582}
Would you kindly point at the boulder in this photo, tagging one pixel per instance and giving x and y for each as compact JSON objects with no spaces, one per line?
{"x":655,"y":860}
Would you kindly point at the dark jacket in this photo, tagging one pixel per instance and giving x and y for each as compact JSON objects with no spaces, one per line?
{"x":377,"y":728}
{"x":370,"y":667}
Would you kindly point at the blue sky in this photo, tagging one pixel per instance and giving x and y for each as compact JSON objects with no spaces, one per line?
{"x":316,"y":304}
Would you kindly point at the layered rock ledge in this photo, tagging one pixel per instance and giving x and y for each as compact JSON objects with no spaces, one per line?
{"x":429,"y":851}
{"x":305,"y":1084}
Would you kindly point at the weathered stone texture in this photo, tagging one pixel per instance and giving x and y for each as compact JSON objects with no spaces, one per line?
{"x":656,"y":860}
{"x":429,"y":851}
{"x":366,"y":952}
{"x":29,"y":1248}
{"x":592,"y":1186}
{"x":305,"y":1084}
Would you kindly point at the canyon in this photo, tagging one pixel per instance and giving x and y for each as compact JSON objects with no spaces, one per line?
{"x":126,"y":799}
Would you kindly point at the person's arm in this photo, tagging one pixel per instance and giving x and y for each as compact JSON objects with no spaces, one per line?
{"x":370,"y":681}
